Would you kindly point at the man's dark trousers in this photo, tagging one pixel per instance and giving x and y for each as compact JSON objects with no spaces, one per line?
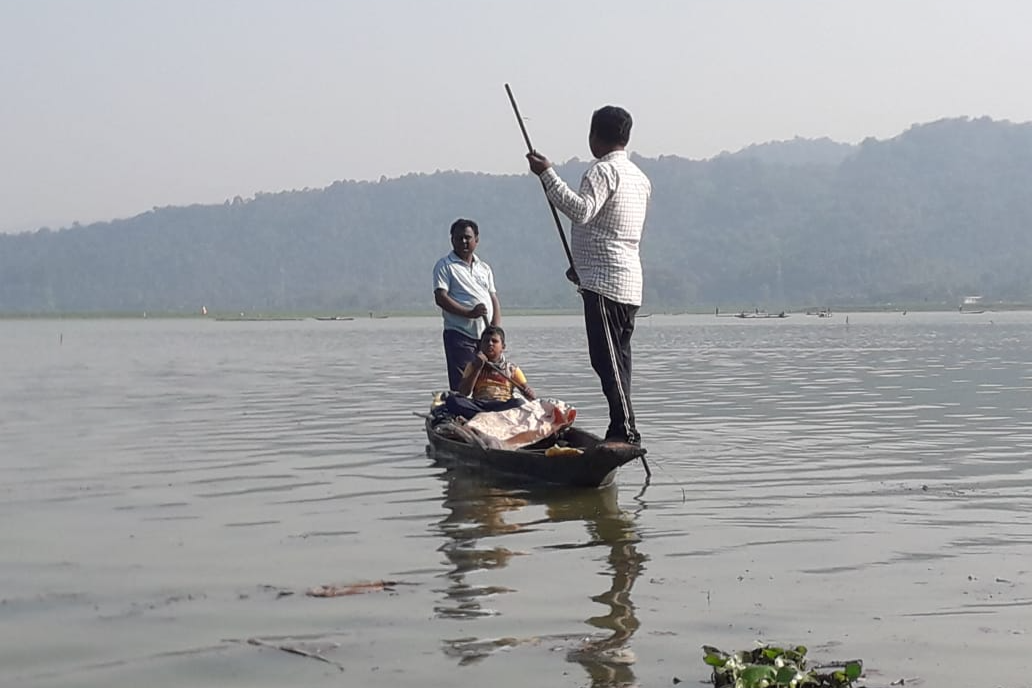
{"x":610,"y":325}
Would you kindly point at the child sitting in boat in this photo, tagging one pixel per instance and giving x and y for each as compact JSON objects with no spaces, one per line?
{"x":489,"y":380}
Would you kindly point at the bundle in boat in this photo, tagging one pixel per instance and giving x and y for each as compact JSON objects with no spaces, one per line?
{"x":524,"y":425}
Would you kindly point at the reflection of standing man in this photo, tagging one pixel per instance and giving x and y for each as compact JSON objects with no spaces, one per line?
{"x":608,"y":215}
{"x":464,"y":290}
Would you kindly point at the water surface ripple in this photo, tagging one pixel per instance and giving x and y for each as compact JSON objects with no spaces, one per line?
{"x":169,"y":490}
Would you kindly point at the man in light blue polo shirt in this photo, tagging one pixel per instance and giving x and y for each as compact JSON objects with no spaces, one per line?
{"x":465,"y":291}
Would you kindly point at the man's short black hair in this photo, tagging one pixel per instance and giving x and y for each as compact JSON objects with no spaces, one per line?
{"x":612,"y":125}
{"x":462,"y":223}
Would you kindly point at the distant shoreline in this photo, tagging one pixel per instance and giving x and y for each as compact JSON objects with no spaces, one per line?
{"x":344,"y":316}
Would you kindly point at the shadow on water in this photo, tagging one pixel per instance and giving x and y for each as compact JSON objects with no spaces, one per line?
{"x":481,"y":510}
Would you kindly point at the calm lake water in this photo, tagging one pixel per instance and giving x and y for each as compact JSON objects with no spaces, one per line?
{"x":169,"y":490}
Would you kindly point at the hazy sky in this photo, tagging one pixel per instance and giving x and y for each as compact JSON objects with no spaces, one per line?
{"x":110,"y":107}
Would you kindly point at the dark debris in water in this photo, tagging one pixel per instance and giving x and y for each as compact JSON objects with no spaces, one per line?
{"x":352,"y":589}
{"x":297,"y":649}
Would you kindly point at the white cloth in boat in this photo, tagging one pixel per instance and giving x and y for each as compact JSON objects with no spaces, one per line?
{"x":523,"y":425}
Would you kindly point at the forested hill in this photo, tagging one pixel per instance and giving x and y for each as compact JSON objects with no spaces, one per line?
{"x":940,"y":211}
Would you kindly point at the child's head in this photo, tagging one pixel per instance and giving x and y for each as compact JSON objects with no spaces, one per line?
{"x":492,"y":342}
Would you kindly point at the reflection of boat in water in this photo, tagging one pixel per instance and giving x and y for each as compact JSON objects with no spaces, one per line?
{"x":481,"y":512}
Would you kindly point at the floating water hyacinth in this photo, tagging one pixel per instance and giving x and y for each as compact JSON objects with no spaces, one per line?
{"x":775,"y":667}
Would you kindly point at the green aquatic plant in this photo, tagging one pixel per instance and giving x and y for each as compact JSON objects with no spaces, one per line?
{"x":768,"y":666}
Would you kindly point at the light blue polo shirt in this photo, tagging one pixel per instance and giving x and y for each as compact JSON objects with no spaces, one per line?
{"x":469,"y":285}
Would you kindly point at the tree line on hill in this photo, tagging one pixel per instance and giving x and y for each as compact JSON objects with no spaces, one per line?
{"x":939,"y":212}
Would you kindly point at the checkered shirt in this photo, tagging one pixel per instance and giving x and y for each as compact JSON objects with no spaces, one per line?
{"x":608,"y":216}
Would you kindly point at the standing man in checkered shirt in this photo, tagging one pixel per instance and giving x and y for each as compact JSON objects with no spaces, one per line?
{"x":608,"y":216}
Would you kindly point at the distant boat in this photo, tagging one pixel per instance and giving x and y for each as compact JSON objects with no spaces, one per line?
{"x":259,"y":318}
{"x":760,"y":314}
{"x":333,"y":317}
{"x":975,"y":301}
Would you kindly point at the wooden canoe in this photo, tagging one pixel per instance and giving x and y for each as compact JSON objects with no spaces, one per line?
{"x":595,"y":466}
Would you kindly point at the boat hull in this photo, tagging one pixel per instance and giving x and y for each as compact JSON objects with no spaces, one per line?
{"x":595,"y":467}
